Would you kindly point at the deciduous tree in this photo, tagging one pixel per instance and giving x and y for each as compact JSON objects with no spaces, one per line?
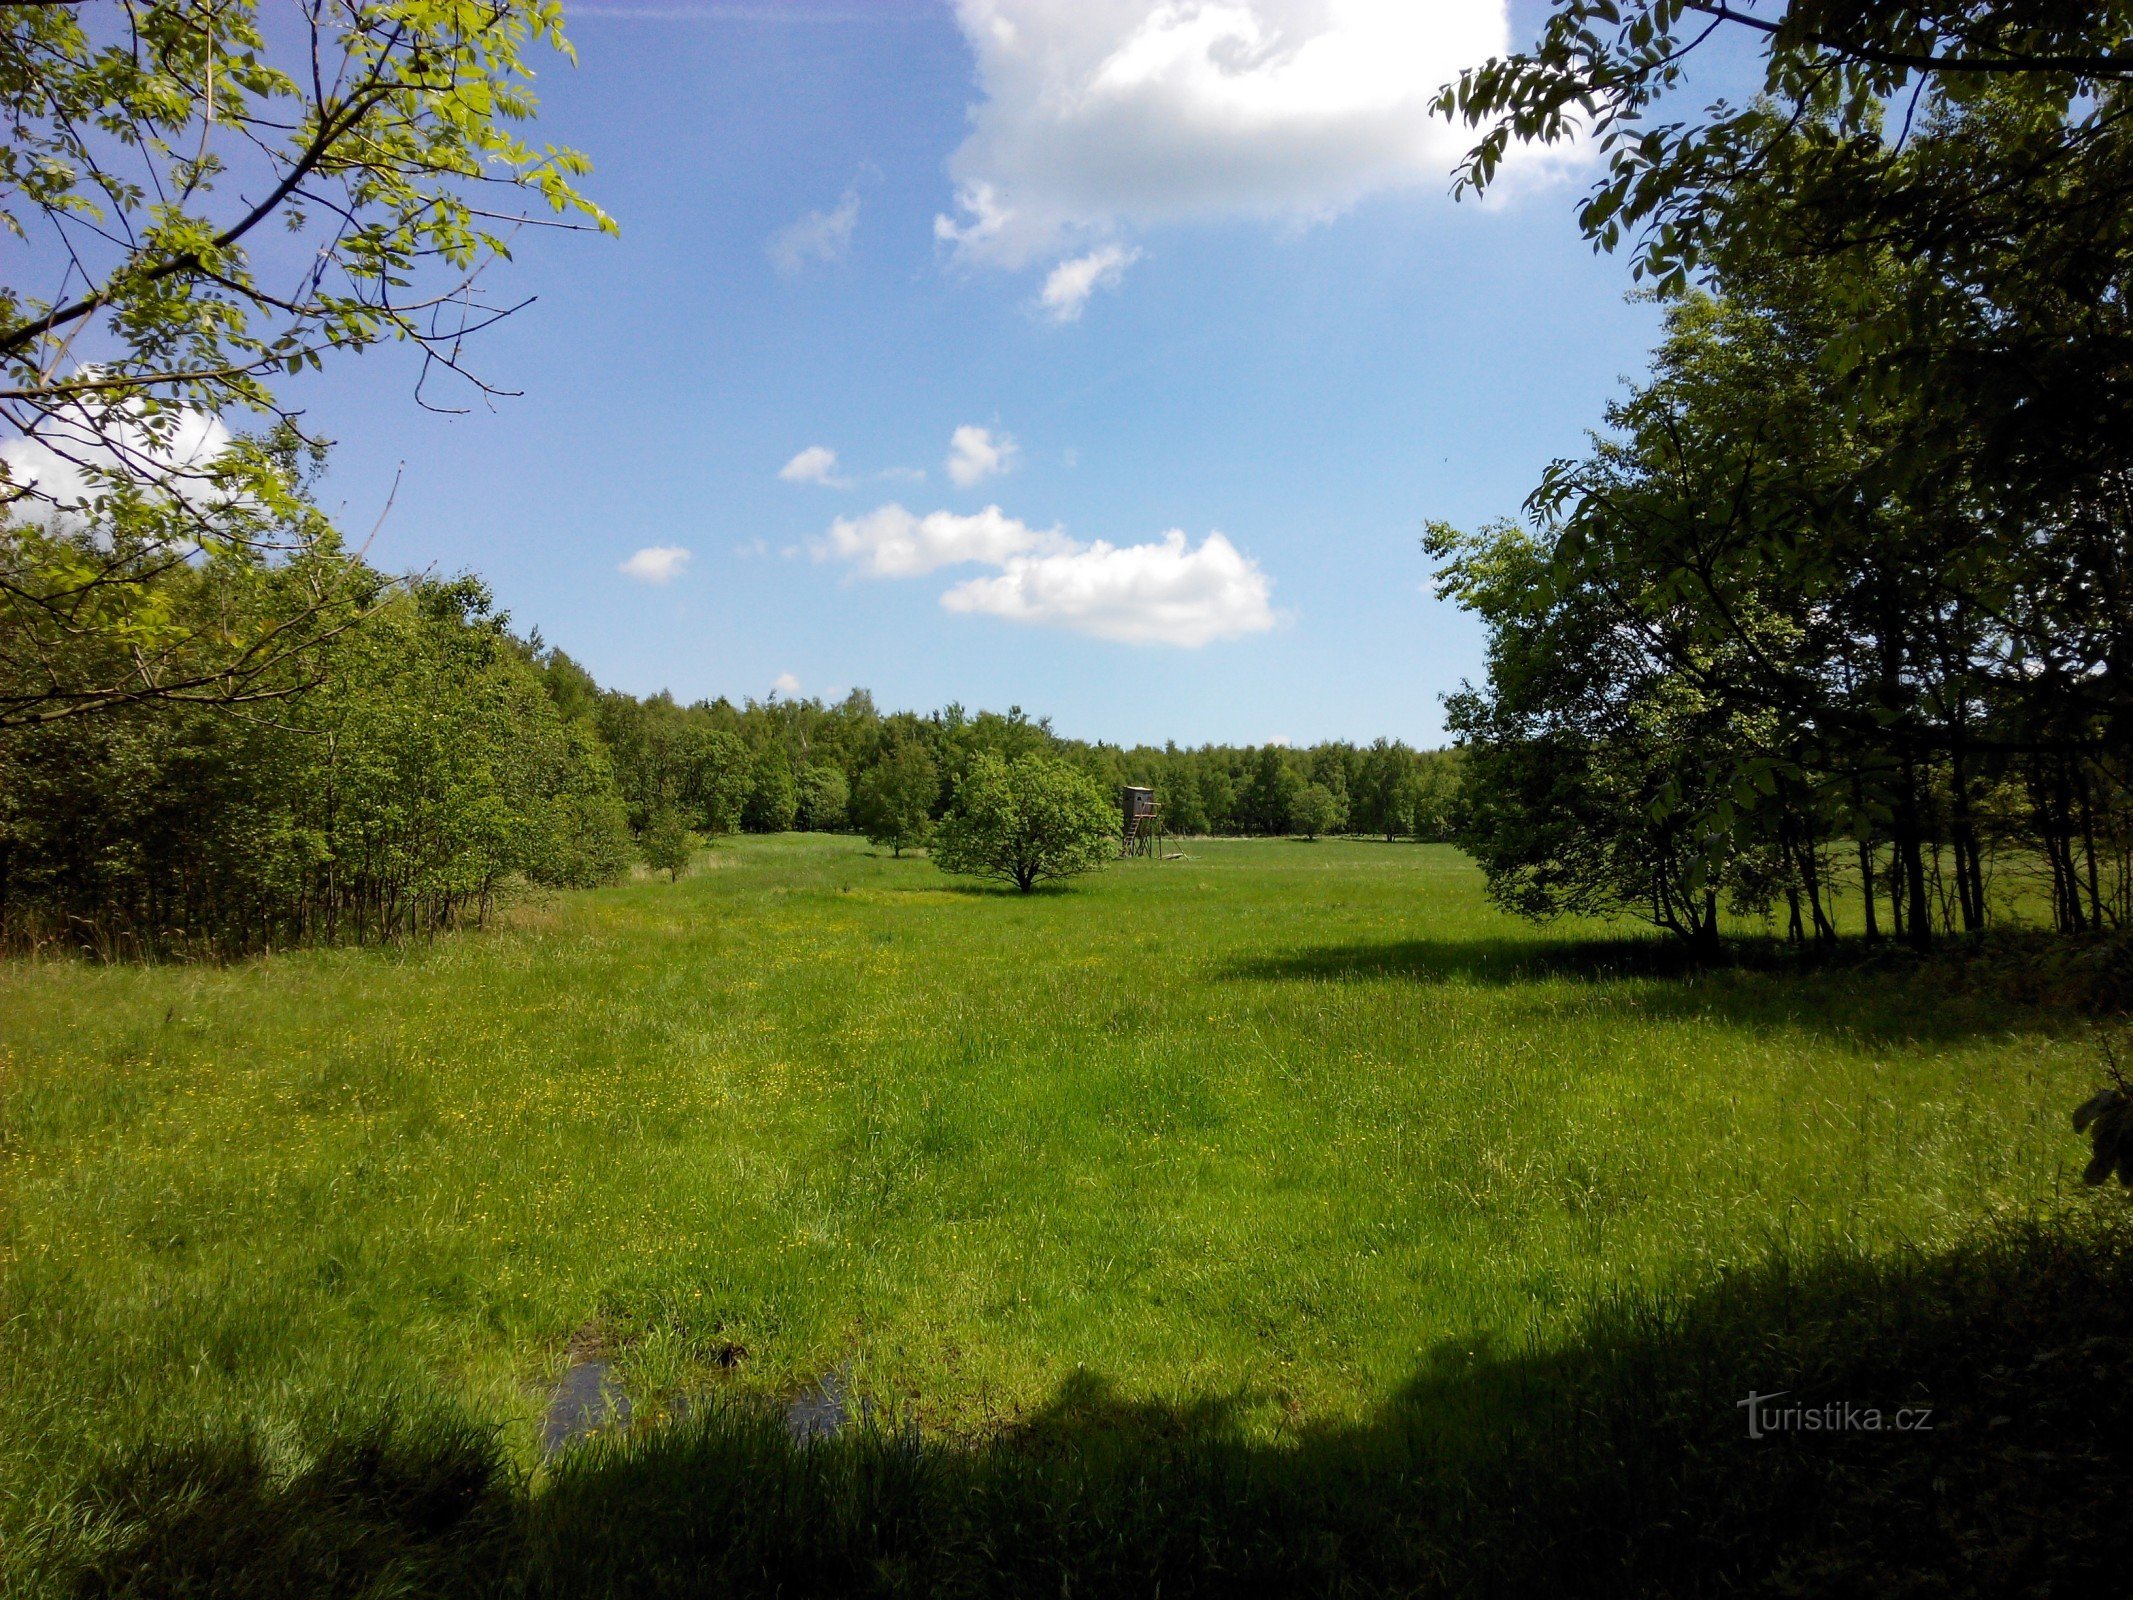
{"x":204,"y":198}
{"x":1026,"y":821}
{"x":668,"y":844}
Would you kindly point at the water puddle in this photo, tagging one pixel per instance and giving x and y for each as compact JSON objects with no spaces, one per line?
{"x":822,"y":1412}
{"x":587,"y":1401}
{"x":591,"y":1400}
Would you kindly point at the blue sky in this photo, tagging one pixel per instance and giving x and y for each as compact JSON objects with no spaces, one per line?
{"x":839,"y":223}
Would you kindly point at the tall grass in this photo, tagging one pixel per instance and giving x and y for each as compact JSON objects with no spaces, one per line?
{"x":1234,"y":1150}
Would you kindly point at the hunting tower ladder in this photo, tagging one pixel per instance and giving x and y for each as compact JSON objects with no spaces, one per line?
{"x":1140,"y":824}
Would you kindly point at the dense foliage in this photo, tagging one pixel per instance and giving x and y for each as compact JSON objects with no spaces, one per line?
{"x":1838,"y":600}
{"x":893,"y":804}
{"x":426,"y":770}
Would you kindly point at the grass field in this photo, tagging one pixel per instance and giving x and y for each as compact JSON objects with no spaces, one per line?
{"x":1254,"y":1138}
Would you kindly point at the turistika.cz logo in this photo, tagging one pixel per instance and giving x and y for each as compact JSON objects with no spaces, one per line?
{"x":1765,"y":1417}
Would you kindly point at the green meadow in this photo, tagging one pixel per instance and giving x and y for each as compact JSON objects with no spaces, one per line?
{"x":1250,"y":1139}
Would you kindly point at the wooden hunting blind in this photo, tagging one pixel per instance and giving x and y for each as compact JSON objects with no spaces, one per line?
{"x":1141,"y":823}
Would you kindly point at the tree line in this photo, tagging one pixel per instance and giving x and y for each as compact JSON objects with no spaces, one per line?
{"x":768,"y":766}
{"x":420,"y":760}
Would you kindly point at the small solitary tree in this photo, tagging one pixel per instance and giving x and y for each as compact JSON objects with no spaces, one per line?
{"x":668,"y":844}
{"x":894,"y":802}
{"x":1027,"y":821}
{"x":1318,"y":810}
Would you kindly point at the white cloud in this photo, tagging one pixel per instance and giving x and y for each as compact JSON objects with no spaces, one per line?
{"x":1100,"y":116}
{"x":816,"y":464}
{"x":824,"y":236}
{"x":754,"y":550}
{"x":975,"y":454}
{"x":1068,"y":286}
{"x":81,"y":453}
{"x":1163,"y":593}
{"x":786,"y":684}
{"x":894,"y":543}
{"x":659,"y":563}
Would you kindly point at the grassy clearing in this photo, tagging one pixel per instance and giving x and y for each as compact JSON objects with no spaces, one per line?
{"x":1247,"y":1143}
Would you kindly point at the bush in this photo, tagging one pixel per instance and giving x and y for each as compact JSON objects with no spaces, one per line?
{"x":593,"y":844}
{"x":1028,"y":821}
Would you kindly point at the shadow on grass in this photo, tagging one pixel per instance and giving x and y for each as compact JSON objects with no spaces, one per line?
{"x":943,"y":887}
{"x":979,"y":889}
{"x":1487,"y":961}
{"x":1618,"y":1464}
{"x":391,"y":1497}
{"x":2020,"y":980}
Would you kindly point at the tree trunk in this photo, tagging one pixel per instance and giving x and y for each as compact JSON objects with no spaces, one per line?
{"x":1969,"y":877}
{"x":2088,"y":846}
{"x":1917,"y":929}
{"x":1918,"y":917}
{"x":1707,"y":929}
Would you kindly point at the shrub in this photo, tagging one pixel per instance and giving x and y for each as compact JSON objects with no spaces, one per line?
{"x":593,"y":842}
{"x":1028,"y":821}
{"x":668,"y":843}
